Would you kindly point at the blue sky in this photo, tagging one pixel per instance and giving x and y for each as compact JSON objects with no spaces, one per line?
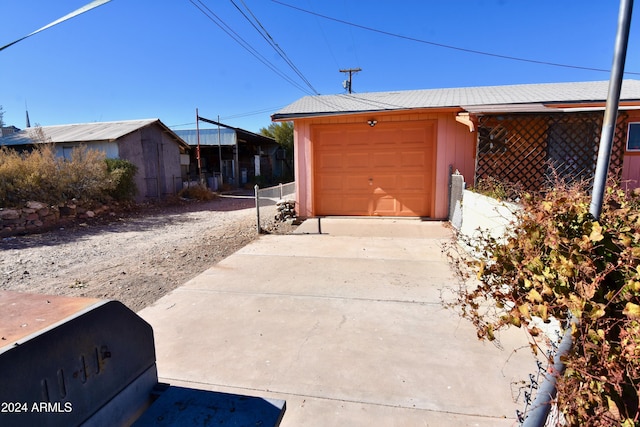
{"x":135,"y":59}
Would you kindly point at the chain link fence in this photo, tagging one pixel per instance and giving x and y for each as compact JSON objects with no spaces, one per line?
{"x":275,"y":203}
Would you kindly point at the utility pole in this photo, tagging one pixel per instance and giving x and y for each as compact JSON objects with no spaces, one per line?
{"x":611,"y":108}
{"x":198,"y":147}
{"x":347,"y":83}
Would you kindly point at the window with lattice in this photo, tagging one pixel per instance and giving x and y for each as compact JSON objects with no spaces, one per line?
{"x":532,"y":149}
{"x":572,"y":149}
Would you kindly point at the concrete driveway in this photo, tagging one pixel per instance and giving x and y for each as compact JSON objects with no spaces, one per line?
{"x":347,"y":326}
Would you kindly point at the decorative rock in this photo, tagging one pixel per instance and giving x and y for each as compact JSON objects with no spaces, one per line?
{"x":11,"y":222}
{"x":68,"y":210}
{"x":49,"y":220}
{"x":9,"y":214}
{"x":286,"y":210}
{"x":36,"y":205}
{"x":35,"y":216}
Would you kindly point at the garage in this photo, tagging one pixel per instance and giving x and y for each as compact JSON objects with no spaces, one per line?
{"x":387,"y":169}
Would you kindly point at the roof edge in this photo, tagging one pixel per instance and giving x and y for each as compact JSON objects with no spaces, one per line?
{"x":292,"y":116}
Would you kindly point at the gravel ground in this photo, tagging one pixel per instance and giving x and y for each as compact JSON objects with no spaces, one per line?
{"x":134,"y":257}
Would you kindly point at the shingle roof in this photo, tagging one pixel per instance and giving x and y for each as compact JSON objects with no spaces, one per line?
{"x":84,"y":132}
{"x":472,"y":98}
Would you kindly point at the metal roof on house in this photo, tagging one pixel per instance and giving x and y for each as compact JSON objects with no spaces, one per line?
{"x":473,"y":99}
{"x":225,"y":137}
{"x":228,"y":135}
{"x":84,"y":132}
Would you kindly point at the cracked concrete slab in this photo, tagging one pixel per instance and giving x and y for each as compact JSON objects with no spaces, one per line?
{"x":348,"y":328}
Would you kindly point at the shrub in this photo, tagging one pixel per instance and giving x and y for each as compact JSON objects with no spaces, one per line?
{"x":42,"y":176}
{"x":558,"y":261}
{"x":196,"y":192}
{"x":499,"y":189}
{"x":30,"y":176}
{"x":84,"y":176}
{"x":122,"y":174}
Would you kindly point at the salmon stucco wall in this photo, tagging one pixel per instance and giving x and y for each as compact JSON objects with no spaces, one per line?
{"x":455,"y":143}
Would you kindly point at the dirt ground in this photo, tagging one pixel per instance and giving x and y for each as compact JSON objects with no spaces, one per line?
{"x":134,"y":257}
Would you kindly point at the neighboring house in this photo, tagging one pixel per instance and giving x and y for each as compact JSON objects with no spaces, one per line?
{"x":239,"y":154}
{"x":8,"y":130}
{"x":160,"y":155}
{"x":391,"y":153}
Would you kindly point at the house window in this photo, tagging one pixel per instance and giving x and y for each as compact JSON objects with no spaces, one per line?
{"x":633,"y":137}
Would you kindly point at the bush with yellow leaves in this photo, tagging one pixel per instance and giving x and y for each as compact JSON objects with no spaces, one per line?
{"x":558,"y":261}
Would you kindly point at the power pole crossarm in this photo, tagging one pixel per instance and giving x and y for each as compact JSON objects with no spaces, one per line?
{"x":351,"y":72}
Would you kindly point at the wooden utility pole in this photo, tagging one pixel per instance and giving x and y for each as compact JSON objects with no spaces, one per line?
{"x":198,"y":147}
{"x":351,"y":71}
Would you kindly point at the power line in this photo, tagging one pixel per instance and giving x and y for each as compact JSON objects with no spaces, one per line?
{"x":68,"y":16}
{"x":235,"y":116}
{"x":269,"y":39}
{"x":326,"y":40}
{"x":252,"y":113}
{"x":238,"y":39}
{"x":353,"y":40}
{"x":446,"y":46}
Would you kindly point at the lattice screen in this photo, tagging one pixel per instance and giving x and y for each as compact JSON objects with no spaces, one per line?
{"x":530,"y":149}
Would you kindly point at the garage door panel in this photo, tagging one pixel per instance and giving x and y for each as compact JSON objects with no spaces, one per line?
{"x":338,"y":205}
{"x":381,"y":136}
{"x":413,"y":182}
{"x":409,"y":205}
{"x":413,"y":158}
{"x":357,"y":160}
{"x":330,"y":161}
{"x":413,"y":133}
{"x":356,"y":137}
{"x":385,"y":206}
{"x":331,"y":204}
{"x":331,"y":183}
{"x":356,"y":183}
{"x":333,"y":140}
{"x":386,"y":183}
{"x":356,"y":205}
{"x":384,"y":159}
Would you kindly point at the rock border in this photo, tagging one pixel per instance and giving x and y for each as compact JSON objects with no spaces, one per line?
{"x":36,"y":217}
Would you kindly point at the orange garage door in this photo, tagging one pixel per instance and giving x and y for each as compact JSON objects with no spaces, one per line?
{"x":386,"y":170}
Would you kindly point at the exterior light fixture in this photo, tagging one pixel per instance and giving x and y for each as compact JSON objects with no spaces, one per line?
{"x":372,"y":123}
